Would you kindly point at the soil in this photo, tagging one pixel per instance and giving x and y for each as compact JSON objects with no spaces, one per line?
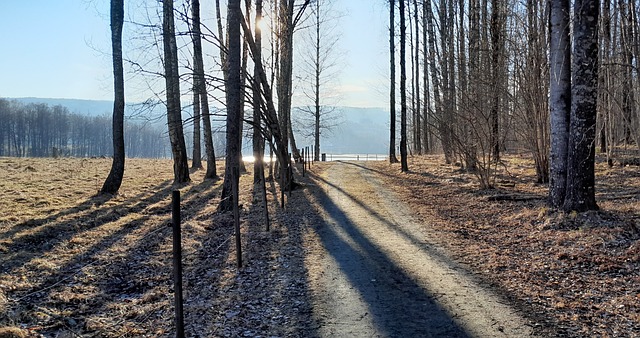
{"x":359,"y":250}
{"x":382,"y":275}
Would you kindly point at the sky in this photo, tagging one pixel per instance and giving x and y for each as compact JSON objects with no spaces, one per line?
{"x":61,"y":49}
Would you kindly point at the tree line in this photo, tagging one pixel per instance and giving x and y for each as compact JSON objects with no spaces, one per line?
{"x":480,"y":77}
{"x":40,"y":130}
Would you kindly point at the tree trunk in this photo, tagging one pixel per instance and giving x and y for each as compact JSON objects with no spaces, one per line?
{"x":316,"y":132}
{"x":258,"y":138}
{"x":426,"y":143}
{"x":196,"y":162}
{"x":435,"y":77}
{"x":285,"y":38}
{"x":581,"y":155}
{"x":174,"y":111}
{"x":392,"y":80}
{"x":114,"y":180}
{"x":497,"y":45}
{"x":234,"y":100}
{"x":559,"y":99}
{"x":416,"y":121}
{"x":201,"y":91}
{"x":403,"y":92}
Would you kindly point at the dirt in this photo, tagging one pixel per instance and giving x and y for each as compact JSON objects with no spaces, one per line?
{"x":361,"y":249}
{"x":380,"y":274}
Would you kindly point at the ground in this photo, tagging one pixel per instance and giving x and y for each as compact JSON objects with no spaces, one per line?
{"x":75,"y":264}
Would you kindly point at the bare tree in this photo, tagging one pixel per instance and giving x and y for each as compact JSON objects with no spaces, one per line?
{"x":403,"y":94}
{"x":233,"y":85}
{"x":200,"y":88}
{"x":497,"y":78}
{"x":258,"y":137}
{"x":417,"y":133}
{"x":392,"y":80}
{"x":196,"y":155}
{"x":114,"y":180}
{"x":320,"y":61}
{"x":559,"y":99}
{"x":174,"y":111}
{"x":580,"y":193}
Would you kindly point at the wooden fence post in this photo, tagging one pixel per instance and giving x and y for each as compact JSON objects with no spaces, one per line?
{"x":177,"y":263}
{"x":236,"y":214}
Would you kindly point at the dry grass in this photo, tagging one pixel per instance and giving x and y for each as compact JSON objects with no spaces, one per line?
{"x":73,"y":261}
{"x":77,"y":264}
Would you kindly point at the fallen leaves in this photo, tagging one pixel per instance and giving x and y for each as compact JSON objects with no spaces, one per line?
{"x":576,"y":273}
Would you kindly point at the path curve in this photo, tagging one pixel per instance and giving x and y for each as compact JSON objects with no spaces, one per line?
{"x":376,"y":273}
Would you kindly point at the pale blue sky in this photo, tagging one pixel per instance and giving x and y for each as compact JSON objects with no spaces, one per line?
{"x":58,"y":49}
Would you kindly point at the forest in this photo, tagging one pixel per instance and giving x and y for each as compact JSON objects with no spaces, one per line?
{"x":39,"y":130}
{"x":507,"y":119}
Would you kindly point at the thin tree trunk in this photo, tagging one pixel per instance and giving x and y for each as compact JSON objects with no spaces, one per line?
{"x":201,"y":90}
{"x":403,"y":92}
{"x":258,"y":138}
{"x":114,"y":179}
{"x":435,"y":77}
{"x":196,"y":155}
{"x":316,"y":134}
{"x":234,"y":102}
{"x":392,"y":80}
{"x":497,"y":45}
{"x":425,"y":73}
{"x":174,"y":111}
{"x":417,"y":119}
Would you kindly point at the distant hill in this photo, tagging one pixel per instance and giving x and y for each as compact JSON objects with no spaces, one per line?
{"x":357,"y":130}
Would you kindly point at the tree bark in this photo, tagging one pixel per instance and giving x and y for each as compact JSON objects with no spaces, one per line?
{"x":559,"y":99}
{"x":201,"y":90}
{"x":435,"y":77}
{"x":497,"y":45}
{"x":174,"y":111}
{"x":392,"y":80}
{"x":234,"y":101}
{"x":258,"y":137}
{"x":403,"y":92}
{"x":196,"y":155}
{"x":114,"y":179}
{"x":582,"y":131}
{"x":417,"y":118}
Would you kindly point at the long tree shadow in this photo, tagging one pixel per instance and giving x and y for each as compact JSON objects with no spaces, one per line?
{"x":271,"y":287}
{"x":125,"y":274}
{"x":55,"y":229}
{"x":399,"y":306}
{"x":424,"y":245}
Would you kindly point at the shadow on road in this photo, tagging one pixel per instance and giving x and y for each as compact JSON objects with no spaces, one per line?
{"x":397,"y":304}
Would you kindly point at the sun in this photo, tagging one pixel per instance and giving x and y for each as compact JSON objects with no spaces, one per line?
{"x":263,"y":25}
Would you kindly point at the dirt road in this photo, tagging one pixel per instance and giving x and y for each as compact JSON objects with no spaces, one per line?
{"x":378,"y":274}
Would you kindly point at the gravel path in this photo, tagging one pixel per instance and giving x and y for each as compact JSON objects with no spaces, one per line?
{"x":377,"y":274}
